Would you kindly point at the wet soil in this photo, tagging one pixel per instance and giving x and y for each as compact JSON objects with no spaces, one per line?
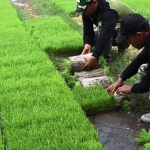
{"x":26,"y":6}
{"x":117,"y":130}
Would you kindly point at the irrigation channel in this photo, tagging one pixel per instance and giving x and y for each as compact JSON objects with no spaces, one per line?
{"x":117,"y":130}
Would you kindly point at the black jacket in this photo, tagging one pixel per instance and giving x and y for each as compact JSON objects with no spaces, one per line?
{"x":132,"y":69}
{"x":108,"y":17}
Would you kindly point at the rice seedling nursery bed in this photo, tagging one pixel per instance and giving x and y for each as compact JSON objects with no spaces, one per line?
{"x":38,"y":109}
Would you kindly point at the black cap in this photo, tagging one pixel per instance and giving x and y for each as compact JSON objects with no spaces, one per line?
{"x":130,"y":24}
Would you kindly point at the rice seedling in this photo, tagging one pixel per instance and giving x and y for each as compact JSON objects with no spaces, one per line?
{"x":53,"y":35}
{"x":37,"y":107}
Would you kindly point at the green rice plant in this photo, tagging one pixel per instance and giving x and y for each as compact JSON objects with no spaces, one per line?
{"x":40,"y":122}
{"x":1,"y":145}
{"x":67,"y":6}
{"x":48,"y":8}
{"x":67,"y":75}
{"x":127,"y":106}
{"x":53,"y":35}
{"x":146,"y":146}
{"x":1,"y":134}
{"x":144,"y":136}
{"x":139,"y":6}
{"x":7,"y":17}
{"x":64,"y":67}
{"x":37,"y":107}
{"x":94,"y":98}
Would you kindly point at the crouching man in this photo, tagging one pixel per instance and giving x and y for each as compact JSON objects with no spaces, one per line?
{"x":136,"y":29}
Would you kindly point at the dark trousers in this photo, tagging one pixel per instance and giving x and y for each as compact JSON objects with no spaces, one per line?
{"x":121,"y":48}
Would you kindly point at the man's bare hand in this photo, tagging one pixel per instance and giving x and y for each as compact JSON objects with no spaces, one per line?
{"x":113,"y":87}
{"x":91,"y":62}
{"x":86,"y":50}
{"x":124,"y":89}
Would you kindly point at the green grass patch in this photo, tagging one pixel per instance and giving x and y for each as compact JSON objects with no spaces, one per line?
{"x":94,"y":98}
{"x":33,"y":124}
{"x":67,"y":6}
{"x":53,"y":35}
{"x":1,"y":134}
{"x":139,"y":6}
{"x":144,"y":136}
{"x":37,"y":107}
{"x":127,"y":106}
{"x":49,"y":8}
{"x":146,"y":146}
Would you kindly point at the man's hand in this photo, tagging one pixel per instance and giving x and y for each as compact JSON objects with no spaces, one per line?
{"x":113,"y":87}
{"x":124,"y":89}
{"x":86,"y":50}
{"x":91,"y":62}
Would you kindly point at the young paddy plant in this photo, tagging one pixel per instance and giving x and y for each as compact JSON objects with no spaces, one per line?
{"x":49,"y":8}
{"x":38,"y":109}
{"x":139,"y":6}
{"x":94,"y":98}
{"x":53,"y":35}
{"x":144,"y":136}
{"x":67,"y":6}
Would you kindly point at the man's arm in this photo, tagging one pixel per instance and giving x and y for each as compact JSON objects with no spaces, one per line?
{"x":88,"y":32}
{"x":131,"y":70}
{"x":109,"y":19}
{"x":144,"y":85}
{"x":133,"y":67}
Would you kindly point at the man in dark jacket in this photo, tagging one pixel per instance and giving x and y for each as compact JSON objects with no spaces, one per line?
{"x":104,"y":12}
{"x":136,"y":29}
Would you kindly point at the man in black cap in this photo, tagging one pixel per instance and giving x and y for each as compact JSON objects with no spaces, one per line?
{"x":136,"y":29}
{"x":104,"y":14}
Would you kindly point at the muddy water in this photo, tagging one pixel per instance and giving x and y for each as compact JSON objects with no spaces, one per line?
{"x":118,"y":130}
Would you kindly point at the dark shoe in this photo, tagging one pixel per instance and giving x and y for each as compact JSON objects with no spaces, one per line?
{"x":108,"y":59}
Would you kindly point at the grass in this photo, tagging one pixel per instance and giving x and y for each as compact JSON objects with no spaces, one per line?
{"x":51,"y":9}
{"x":67,"y":6}
{"x":37,"y":107}
{"x":94,"y":98}
{"x":121,"y":60}
{"x":144,"y":136}
{"x":53,"y":35}
{"x":48,"y":9}
{"x":139,"y":7}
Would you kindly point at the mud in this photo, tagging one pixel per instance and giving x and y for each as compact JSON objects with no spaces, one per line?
{"x":118,"y":130}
